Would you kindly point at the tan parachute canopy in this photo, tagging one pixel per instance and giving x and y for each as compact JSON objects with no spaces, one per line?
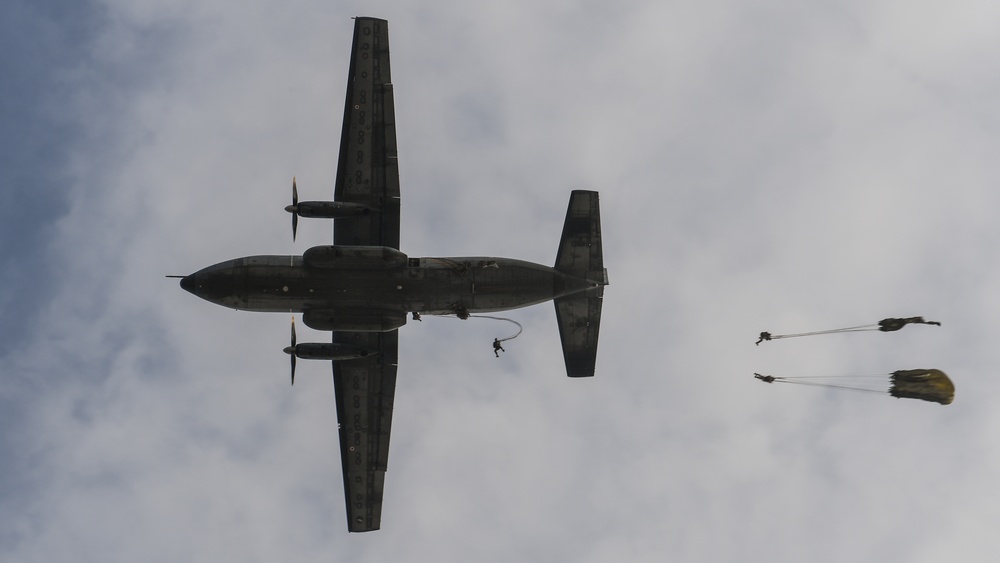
{"x":924,"y":384}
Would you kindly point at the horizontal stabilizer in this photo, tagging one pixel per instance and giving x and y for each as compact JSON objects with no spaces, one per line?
{"x":581,"y":257}
{"x":579,"y":319}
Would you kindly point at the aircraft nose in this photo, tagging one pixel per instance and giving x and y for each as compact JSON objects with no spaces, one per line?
{"x":188,"y":283}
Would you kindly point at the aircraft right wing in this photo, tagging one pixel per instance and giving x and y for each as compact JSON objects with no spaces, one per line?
{"x":367,"y":172}
{"x":364,"y":390}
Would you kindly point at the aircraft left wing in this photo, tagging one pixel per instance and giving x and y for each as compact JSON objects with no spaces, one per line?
{"x":367,"y":172}
{"x":364,"y":390}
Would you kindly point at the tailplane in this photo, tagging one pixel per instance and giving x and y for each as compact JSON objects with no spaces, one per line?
{"x":581,"y":258}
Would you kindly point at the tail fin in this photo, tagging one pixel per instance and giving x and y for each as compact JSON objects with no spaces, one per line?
{"x":581,"y":256}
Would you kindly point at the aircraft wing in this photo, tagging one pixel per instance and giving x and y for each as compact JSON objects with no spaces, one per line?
{"x":367,"y":172}
{"x":364,"y":389}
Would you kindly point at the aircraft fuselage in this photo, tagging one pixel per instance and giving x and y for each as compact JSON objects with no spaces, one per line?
{"x":373,"y":288}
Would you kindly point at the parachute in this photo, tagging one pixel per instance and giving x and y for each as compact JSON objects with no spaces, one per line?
{"x":931,"y":385}
{"x":924,"y":384}
{"x":885,"y":325}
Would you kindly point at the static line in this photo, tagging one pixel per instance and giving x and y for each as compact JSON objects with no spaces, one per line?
{"x":511,"y":337}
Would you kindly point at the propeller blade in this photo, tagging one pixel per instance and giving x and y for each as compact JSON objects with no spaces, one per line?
{"x":290,"y":350}
{"x":295,"y":208}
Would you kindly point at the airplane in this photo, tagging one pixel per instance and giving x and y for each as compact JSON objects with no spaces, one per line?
{"x":362,"y":287}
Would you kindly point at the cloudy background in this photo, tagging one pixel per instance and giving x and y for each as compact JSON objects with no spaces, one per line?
{"x":781,"y":167}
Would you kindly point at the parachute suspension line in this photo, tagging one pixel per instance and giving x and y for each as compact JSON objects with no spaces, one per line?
{"x":931,"y":385}
{"x":829,"y":381}
{"x":885,"y":325}
{"x":862,"y":328}
{"x":851,"y":376}
{"x":830,"y":385}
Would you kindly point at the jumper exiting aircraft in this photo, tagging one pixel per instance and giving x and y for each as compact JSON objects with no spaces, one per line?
{"x":362,"y":287}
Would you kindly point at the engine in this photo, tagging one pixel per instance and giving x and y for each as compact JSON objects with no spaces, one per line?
{"x":329,"y":351}
{"x":358,"y":320}
{"x":354,"y":257}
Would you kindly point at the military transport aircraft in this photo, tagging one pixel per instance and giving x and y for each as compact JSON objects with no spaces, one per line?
{"x":362,"y":287}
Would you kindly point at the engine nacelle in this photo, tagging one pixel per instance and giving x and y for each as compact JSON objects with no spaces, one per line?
{"x":363,"y":320}
{"x":330,"y":209}
{"x":354,"y":257}
{"x":330,"y":351}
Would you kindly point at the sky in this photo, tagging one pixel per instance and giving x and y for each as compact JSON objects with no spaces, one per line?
{"x":784,"y":166}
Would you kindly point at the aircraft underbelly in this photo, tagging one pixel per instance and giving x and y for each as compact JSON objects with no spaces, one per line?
{"x":425,"y":285}
{"x":511,"y":287}
{"x":477,"y":284}
{"x":324,"y":289}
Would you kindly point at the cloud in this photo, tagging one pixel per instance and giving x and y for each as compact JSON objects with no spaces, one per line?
{"x":776,"y":167}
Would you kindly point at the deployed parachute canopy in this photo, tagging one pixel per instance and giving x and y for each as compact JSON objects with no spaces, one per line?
{"x":890,"y":325}
{"x":885,"y":325}
{"x":925,"y":384}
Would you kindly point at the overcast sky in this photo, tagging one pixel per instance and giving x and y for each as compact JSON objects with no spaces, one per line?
{"x":786,"y":167}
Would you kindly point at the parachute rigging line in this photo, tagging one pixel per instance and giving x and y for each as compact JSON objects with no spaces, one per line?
{"x":799,"y":381}
{"x":931,"y":385}
{"x":832,"y":386}
{"x":885,"y":325}
{"x":768,"y":336}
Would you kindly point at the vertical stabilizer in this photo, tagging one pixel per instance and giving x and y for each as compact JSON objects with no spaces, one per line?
{"x":581,"y":256}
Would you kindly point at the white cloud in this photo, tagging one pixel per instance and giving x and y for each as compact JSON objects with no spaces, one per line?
{"x":780,"y":168}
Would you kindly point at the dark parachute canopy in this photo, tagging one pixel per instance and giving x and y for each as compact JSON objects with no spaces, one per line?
{"x":925,"y":384}
{"x":885,"y":325}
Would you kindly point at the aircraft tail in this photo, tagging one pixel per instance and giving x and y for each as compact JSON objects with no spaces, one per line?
{"x":581,"y":258}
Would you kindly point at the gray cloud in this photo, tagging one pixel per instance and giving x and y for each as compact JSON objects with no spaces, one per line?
{"x":778,"y":168}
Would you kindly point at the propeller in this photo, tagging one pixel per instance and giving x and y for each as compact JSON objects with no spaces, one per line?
{"x":290,"y":350}
{"x":294,"y":208}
